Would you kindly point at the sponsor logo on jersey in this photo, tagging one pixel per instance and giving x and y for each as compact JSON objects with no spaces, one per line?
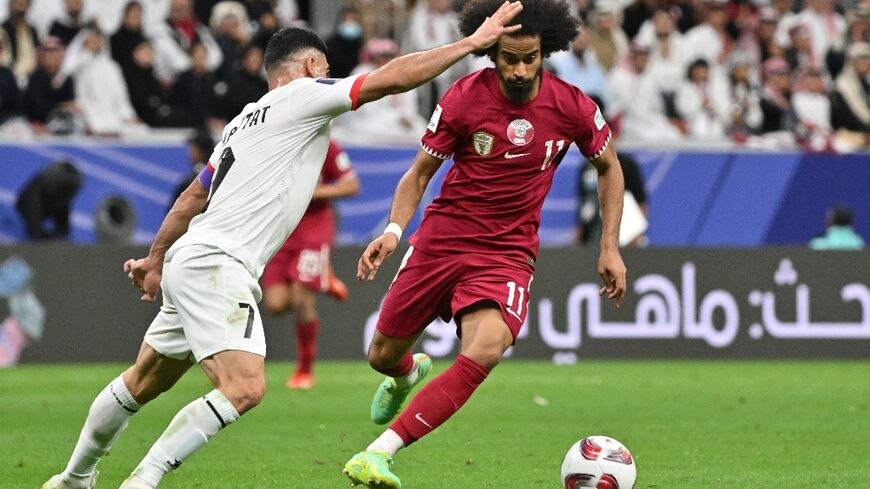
{"x":436,"y":117}
{"x":599,"y":119}
{"x":510,"y":156}
{"x":520,"y":132}
{"x":482,"y":142}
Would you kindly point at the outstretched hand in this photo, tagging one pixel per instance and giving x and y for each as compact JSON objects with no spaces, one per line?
{"x":144,"y":275}
{"x":613,"y":273}
{"x":494,"y":26}
{"x":376,"y":252}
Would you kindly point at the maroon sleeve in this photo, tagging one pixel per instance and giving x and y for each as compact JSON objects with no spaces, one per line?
{"x":445,"y":127}
{"x":593,"y":133}
{"x":336,"y":165}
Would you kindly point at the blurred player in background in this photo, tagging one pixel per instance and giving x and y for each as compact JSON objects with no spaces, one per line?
{"x":301,"y":268}
{"x":212,"y":247}
{"x":473,"y":256}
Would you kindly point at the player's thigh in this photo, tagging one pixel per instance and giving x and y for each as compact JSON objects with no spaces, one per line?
{"x":239,"y":375}
{"x":420,"y":292}
{"x":504,"y":286}
{"x":216,"y":298}
{"x":153,"y":373}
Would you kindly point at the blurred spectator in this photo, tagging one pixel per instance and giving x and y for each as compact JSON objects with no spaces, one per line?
{"x":45,"y":92}
{"x":579,"y":67}
{"x":147,"y":95}
{"x":761,"y":42}
{"x":711,"y":40}
{"x":22,"y":37}
{"x":194,"y":89}
{"x":581,"y":9}
{"x":247,"y":86}
{"x":812,"y":107}
{"x":667,"y":65}
{"x":636,"y":15}
{"x":231,"y":26}
{"x":344,"y":45}
{"x":776,"y":98}
{"x":589,"y":207}
{"x":433,"y":23}
{"x":826,"y":26}
{"x":100,"y":90}
{"x":801,"y":53}
{"x":174,"y":39}
{"x":858,"y":30}
{"x":840,"y":234}
{"x":45,"y":200}
{"x":199,"y":149}
{"x":287,"y":12}
{"x":787,"y":18}
{"x":10,"y":95}
{"x":129,"y":35}
{"x":851,"y":98}
{"x":65,"y":28}
{"x":702,"y":102}
{"x":606,"y":38}
{"x":268,"y":26}
{"x":383,"y":18}
{"x":392,"y":119}
{"x":744,"y":98}
{"x":5,"y":54}
{"x":639,"y":110}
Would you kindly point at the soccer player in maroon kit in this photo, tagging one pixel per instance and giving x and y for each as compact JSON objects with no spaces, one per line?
{"x":301,"y":268}
{"x":473,"y":256}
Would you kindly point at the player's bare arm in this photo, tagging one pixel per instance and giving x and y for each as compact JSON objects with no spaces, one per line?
{"x":346,"y":186}
{"x":611,"y":191}
{"x":145,"y":273}
{"x":412,"y":70}
{"x":405,"y":202}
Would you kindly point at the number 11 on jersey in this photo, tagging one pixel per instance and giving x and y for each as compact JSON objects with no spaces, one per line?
{"x":560,"y":145}
{"x":513,"y":292}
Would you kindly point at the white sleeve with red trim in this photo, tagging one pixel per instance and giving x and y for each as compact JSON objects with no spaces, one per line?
{"x":313,"y":98}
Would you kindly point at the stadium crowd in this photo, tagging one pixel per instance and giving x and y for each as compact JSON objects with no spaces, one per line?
{"x":774,"y":73}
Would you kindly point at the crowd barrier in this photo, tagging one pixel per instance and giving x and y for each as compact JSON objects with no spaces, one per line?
{"x":722,"y":197}
{"x":682,"y":303}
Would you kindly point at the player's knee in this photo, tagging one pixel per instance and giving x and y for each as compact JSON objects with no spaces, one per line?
{"x":381,"y":360}
{"x":487,"y":356}
{"x":276,"y":304}
{"x":246,"y":395}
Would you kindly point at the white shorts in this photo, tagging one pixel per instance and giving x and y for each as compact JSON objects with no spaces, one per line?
{"x":209,"y":306}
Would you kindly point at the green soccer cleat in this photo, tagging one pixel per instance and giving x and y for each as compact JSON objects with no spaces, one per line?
{"x":389,"y":397}
{"x":61,"y":482}
{"x":372,"y":469}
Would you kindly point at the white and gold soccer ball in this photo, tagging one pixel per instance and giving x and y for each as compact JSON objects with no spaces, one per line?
{"x":599,"y":462}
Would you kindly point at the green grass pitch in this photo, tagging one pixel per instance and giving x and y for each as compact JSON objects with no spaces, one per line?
{"x":689,"y":424}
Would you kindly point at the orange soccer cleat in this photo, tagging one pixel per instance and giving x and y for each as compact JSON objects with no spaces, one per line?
{"x":336,"y":287}
{"x":300,"y":380}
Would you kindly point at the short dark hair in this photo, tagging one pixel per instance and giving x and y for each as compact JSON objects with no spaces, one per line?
{"x":841,"y":215}
{"x":551,"y":19}
{"x":289,"y":41}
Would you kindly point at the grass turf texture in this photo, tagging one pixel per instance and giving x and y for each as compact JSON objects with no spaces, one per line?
{"x":689,"y":424}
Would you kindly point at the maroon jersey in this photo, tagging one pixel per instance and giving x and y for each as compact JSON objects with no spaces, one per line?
{"x":318,"y":222}
{"x":505,"y":155}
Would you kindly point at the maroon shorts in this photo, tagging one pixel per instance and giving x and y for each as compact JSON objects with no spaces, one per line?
{"x":428,"y":286}
{"x":307,"y":264}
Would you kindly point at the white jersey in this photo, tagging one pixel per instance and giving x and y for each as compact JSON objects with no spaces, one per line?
{"x":267,"y":165}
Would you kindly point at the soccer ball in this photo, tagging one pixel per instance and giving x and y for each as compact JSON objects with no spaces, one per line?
{"x":600,"y":462}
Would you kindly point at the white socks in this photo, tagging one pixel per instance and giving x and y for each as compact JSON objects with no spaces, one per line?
{"x":107,"y":418}
{"x":189,"y":430}
{"x":408,"y":380}
{"x":389,"y":441}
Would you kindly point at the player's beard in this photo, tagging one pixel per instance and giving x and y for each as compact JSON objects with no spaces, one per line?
{"x":521,"y":92}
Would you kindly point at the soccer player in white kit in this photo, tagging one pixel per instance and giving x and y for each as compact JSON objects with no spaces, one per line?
{"x":214,"y":243}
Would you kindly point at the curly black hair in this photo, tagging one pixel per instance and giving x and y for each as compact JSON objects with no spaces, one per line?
{"x":551,"y":19}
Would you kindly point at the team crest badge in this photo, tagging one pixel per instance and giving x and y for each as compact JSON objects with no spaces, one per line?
{"x":482,"y":142}
{"x":520,"y":132}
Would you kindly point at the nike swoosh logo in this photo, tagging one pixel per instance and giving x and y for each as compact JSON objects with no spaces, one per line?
{"x":420,"y":419}
{"x":509,"y":156}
